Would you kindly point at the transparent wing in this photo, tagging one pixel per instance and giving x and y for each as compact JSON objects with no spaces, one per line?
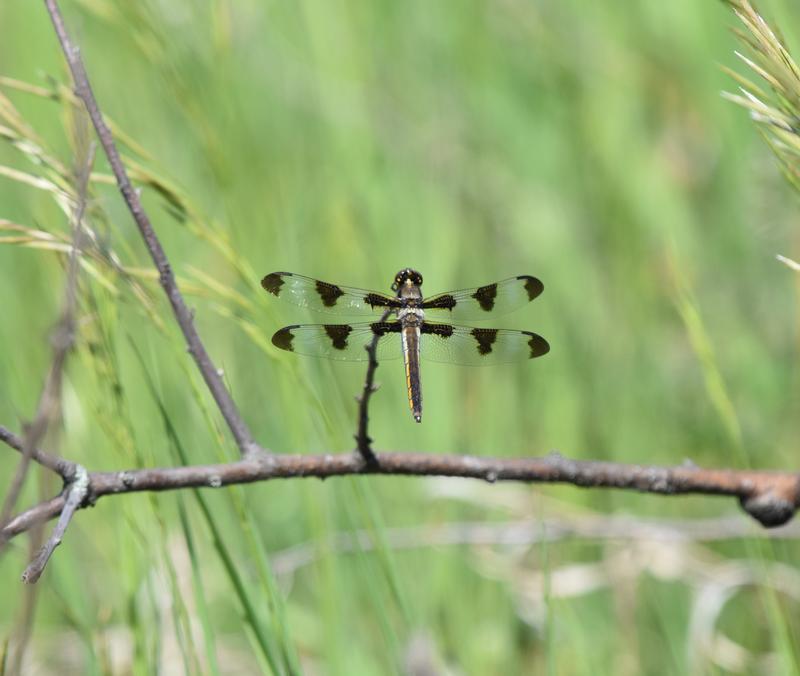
{"x":325,"y":297}
{"x":478,"y":347}
{"x":345,"y":342}
{"x":485,"y":302}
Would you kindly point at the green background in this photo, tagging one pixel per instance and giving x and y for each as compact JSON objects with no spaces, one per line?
{"x":584,"y":143}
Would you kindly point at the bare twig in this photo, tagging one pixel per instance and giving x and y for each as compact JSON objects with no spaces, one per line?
{"x":61,"y":466}
{"x":75,"y":495}
{"x":769,"y":497}
{"x":48,"y":405}
{"x":363,"y":440}
{"x":241,"y":433}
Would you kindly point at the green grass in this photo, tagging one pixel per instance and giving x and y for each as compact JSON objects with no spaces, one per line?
{"x":585,"y":143}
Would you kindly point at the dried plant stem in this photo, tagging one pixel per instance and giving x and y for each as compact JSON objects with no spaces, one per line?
{"x":239,"y":430}
{"x":769,"y":497}
{"x":363,"y":440}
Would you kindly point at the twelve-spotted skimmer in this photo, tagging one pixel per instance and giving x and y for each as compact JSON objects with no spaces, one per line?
{"x":406,"y":315}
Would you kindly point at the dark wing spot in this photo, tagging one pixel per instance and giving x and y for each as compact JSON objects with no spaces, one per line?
{"x":273,"y":282}
{"x":532,"y":285}
{"x":441,"y":330}
{"x":485,"y":295}
{"x":485,"y":339}
{"x":338,"y":334}
{"x":329,"y":293}
{"x":283,"y":338}
{"x":443,"y":302}
{"x":379,"y":300}
{"x":382,"y":328}
{"x":538,"y":345}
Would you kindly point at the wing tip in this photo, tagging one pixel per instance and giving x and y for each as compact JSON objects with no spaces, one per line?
{"x":538,"y":345}
{"x":273,"y":282}
{"x":533,"y":285}
{"x":282,"y":338}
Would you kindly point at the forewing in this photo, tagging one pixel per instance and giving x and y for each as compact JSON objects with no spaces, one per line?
{"x":474,"y":346}
{"x":345,"y":342}
{"x":485,"y":302}
{"x":325,"y":297}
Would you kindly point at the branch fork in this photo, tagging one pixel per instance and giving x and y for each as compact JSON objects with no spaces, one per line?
{"x":74,"y":494}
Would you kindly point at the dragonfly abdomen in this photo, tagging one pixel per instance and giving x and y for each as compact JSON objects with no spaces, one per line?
{"x":411,"y":332}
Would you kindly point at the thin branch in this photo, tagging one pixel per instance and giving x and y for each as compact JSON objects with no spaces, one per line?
{"x":61,"y":466}
{"x":363,"y":440}
{"x":769,"y":497}
{"x":241,"y":433}
{"x":75,"y":495}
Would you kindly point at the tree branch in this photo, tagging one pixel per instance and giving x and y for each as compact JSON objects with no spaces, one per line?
{"x":363,"y":440}
{"x":61,"y":466}
{"x":241,"y":433}
{"x":75,"y":494}
{"x":769,"y":497}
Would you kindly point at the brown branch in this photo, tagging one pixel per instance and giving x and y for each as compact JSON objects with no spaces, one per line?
{"x":363,"y":440}
{"x":769,"y":497}
{"x":75,"y":495}
{"x":61,"y":466}
{"x":211,"y":375}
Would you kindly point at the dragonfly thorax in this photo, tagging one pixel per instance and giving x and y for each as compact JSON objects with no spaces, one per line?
{"x":411,"y":316}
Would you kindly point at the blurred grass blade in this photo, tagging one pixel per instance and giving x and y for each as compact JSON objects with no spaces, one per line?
{"x":788,"y":262}
{"x":255,"y":544}
{"x":263,"y":640}
{"x":703,"y":348}
{"x":199,"y":590}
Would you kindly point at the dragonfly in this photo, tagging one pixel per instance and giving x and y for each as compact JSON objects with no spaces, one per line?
{"x":420,"y":327}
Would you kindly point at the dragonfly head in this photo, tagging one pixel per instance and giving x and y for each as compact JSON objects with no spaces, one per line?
{"x":406,"y":277}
